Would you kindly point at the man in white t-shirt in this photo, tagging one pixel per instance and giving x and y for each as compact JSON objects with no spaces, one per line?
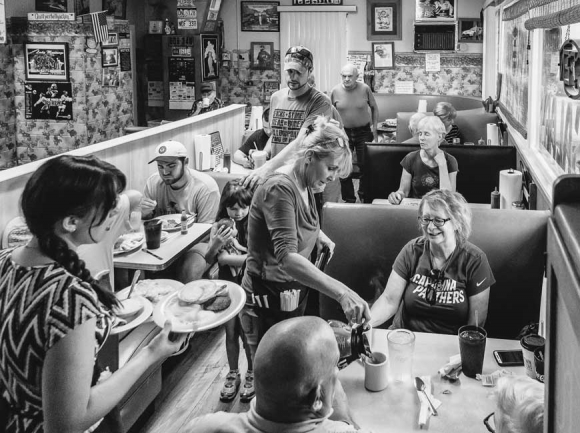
{"x":174,"y":188}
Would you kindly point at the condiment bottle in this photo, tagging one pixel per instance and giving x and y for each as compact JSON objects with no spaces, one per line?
{"x":495,"y":196}
{"x":183,"y":222}
{"x":352,"y":343}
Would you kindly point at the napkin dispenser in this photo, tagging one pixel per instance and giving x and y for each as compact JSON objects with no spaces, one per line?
{"x":202,"y":152}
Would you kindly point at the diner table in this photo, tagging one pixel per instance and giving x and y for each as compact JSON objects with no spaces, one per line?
{"x":465,"y":402}
{"x":169,"y":250}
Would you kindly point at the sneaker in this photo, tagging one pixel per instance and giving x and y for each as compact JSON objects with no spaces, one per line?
{"x":231,"y":386}
{"x":248,"y":391}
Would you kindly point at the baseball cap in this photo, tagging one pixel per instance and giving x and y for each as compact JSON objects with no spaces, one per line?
{"x":206,"y":87}
{"x":169,"y":149}
{"x":298,"y":57}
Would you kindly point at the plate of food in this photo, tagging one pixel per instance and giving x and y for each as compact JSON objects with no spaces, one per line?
{"x":200,"y":305}
{"x":172,"y":222}
{"x":128,"y":243}
{"x":152,"y":290}
{"x":131,"y":313}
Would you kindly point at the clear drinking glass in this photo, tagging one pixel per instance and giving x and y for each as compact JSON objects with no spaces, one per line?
{"x":401,"y":348}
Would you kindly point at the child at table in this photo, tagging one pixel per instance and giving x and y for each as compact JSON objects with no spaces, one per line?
{"x":230,"y":255}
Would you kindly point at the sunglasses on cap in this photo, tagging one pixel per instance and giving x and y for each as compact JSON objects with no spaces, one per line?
{"x":300,"y":53}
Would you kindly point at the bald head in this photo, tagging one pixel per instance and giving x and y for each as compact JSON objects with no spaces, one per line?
{"x":295,"y":360}
{"x":349,"y":74}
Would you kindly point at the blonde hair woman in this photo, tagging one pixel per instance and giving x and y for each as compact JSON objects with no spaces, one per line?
{"x":283,"y":229}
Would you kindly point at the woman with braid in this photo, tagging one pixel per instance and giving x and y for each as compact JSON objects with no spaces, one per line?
{"x":53,"y":315}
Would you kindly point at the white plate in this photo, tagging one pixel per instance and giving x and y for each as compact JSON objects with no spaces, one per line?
{"x":177,"y":218}
{"x":162,"y":311}
{"x":130,"y":242}
{"x":138,"y":319}
{"x":150,"y":289}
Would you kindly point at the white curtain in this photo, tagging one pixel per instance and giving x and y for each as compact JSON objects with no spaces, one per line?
{"x":324,"y":33}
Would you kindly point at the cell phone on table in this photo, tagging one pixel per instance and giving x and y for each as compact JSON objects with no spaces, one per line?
{"x":509,"y":358}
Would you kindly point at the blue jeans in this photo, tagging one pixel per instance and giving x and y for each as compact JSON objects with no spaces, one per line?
{"x":357,"y":137}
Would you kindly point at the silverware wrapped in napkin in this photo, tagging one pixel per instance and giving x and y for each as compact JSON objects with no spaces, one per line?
{"x":425,"y":412}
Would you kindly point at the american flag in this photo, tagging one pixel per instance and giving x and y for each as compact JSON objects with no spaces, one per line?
{"x":100,"y":29}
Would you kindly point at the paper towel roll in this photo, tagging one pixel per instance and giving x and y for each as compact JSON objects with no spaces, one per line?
{"x":510,"y":187}
{"x":492,"y":134}
{"x":202,"y":149}
{"x":422,"y":106}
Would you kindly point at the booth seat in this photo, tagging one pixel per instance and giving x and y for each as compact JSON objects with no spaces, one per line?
{"x":479,"y":168}
{"x":472,"y":124}
{"x":390,"y":103}
{"x":369,"y":237}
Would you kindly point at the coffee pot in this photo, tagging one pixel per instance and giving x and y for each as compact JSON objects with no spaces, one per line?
{"x":352,"y":342}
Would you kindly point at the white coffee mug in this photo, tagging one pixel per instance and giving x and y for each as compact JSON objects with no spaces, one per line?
{"x":205,"y":102}
{"x":376,"y":372}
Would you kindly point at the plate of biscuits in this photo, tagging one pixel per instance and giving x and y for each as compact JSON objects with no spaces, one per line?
{"x":200,"y":305}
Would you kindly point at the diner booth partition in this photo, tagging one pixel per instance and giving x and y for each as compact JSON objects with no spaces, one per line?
{"x":132,"y":153}
{"x":562,"y":374}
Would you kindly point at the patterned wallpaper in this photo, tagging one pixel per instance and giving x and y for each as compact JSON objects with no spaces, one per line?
{"x":99,"y":112}
{"x":460,"y":74}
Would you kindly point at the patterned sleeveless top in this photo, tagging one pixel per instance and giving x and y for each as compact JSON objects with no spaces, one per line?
{"x":39,"y":305}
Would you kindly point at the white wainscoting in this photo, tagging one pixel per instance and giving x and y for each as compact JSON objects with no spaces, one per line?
{"x":132,"y":152}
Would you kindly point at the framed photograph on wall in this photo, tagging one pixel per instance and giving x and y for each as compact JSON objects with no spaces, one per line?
{"x":262,"y":54}
{"x":470,"y":30}
{"x":117,"y":8}
{"x":46,"y":61}
{"x":384,"y":20}
{"x":383,"y":55}
{"x":50,"y":6}
{"x":260,"y":16}
{"x":110,"y":57}
{"x":210,"y":55}
{"x":48,"y":101}
{"x":435,"y":10}
{"x":112,"y":41}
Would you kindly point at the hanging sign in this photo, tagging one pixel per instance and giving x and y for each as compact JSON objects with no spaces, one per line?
{"x":316,"y":2}
{"x":186,"y":18}
{"x":51,"y":16}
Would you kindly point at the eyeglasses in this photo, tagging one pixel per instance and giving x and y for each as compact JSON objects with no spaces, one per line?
{"x":437,"y":222}
{"x":437,"y":278}
{"x":300,"y":52}
{"x":489,"y":422}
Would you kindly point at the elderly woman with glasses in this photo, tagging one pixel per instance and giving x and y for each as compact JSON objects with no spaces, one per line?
{"x":439,"y":281}
{"x":520,"y":406}
{"x":428,"y":168}
{"x":283,"y":229}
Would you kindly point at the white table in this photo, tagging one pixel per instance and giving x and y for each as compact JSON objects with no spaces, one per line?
{"x":416,"y":201}
{"x":169,"y":251}
{"x":396,"y":409}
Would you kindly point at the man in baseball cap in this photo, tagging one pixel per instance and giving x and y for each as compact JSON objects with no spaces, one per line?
{"x":208,"y":102}
{"x":175,"y":188}
{"x":293,"y":109}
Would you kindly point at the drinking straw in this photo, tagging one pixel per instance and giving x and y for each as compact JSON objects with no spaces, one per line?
{"x":476,"y":320}
{"x":255,"y":145}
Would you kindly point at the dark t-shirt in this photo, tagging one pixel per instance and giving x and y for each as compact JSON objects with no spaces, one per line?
{"x":467,"y":274}
{"x":425,"y":178}
{"x":259,"y":137}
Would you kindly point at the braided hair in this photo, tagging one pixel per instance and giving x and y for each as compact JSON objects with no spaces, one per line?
{"x":71,"y":185}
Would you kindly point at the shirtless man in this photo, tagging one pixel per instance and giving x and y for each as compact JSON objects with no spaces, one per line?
{"x":358,"y":109}
{"x":296,"y":381}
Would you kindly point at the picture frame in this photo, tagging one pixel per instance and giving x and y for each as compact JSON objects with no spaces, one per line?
{"x":48,"y":100}
{"x":470,"y":30}
{"x":383,"y":55}
{"x":112,"y":41}
{"x":110,"y":77}
{"x":262,"y":55}
{"x":156,"y":27}
{"x":436,"y":10}
{"x":109,"y":57}
{"x":384,"y":20}
{"x":116,"y":8}
{"x":260,"y":16}
{"x":50,"y":5}
{"x":210,"y":54}
{"x":46,"y":61}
